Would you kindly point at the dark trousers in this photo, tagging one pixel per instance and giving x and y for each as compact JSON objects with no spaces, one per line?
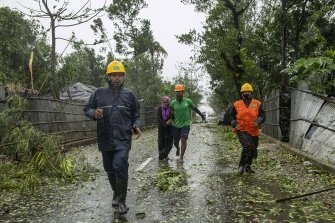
{"x":116,"y":163}
{"x":249,"y":148}
{"x":165,"y":141}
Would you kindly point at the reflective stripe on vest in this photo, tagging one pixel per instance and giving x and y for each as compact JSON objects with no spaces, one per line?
{"x":245,"y":116}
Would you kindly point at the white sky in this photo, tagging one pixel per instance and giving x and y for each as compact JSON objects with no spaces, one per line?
{"x":168,"y":18}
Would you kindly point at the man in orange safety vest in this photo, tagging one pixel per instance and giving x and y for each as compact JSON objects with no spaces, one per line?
{"x":247,"y":115}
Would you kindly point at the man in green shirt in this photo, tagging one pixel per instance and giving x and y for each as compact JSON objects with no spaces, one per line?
{"x":181,"y":117}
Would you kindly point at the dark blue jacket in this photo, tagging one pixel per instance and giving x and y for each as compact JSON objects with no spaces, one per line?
{"x":121,"y":113}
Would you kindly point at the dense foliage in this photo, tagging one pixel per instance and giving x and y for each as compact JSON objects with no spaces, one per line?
{"x":19,"y":37}
{"x":37,"y":156}
{"x":317,"y":72}
{"x":254,"y":41}
{"x":82,"y":65}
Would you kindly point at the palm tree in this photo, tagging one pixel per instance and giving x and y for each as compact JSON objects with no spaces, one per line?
{"x":155,"y":49}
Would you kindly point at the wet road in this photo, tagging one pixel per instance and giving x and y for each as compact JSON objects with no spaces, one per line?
{"x":211,"y":189}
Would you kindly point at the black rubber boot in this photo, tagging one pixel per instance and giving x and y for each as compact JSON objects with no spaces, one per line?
{"x":122,"y":187}
{"x":241,"y":170}
{"x":112,"y":181}
{"x":178,"y":151}
{"x":248,"y":169}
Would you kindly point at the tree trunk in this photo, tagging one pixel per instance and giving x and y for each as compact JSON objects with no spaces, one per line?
{"x":284,"y":32}
{"x":54,"y":85}
{"x":237,"y":65}
{"x":298,"y":30}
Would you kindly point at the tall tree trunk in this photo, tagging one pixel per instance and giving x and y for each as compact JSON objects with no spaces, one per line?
{"x":237,"y":65}
{"x":284,"y":100}
{"x":284,"y":33}
{"x":54,"y":86}
{"x":299,"y":29}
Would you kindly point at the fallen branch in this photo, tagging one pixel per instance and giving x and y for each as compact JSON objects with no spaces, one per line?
{"x":305,"y":195}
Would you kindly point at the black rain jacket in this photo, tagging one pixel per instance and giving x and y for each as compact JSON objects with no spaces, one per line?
{"x":121,"y":113}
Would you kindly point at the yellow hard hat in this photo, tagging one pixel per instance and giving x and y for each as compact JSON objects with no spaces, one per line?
{"x":179,"y":87}
{"x":115,"y":67}
{"x":246,"y":87}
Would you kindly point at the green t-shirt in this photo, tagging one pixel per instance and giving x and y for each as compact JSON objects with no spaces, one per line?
{"x":182,"y":112}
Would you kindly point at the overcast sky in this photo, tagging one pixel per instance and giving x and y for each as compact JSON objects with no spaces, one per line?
{"x":168,"y":18}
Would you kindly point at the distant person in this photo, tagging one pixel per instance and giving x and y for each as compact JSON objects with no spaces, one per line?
{"x":181,"y":117}
{"x":165,"y":138}
{"x":117,"y":112}
{"x":247,"y":115}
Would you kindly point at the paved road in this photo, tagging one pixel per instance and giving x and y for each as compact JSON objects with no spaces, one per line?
{"x":211,"y":190}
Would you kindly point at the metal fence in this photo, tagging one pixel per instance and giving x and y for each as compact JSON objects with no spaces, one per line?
{"x":272,"y":111}
{"x":307,"y":120}
{"x":277,"y":110}
{"x":149,"y":116}
{"x":313,"y":124}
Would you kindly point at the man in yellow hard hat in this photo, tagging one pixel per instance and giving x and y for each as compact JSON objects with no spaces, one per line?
{"x":117,"y":112}
{"x":181,"y":110}
{"x":247,"y":115}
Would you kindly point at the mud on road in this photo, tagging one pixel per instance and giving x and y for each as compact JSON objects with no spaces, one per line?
{"x":208,"y":188}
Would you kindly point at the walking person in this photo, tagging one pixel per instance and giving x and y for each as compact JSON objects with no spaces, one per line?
{"x":117,"y":112}
{"x":247,"y":115}
{"x":165,"y":139}
{"x":181,"y":118}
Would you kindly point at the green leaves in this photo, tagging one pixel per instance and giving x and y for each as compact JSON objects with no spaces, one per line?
{"x":279,"y":174}
{"x":37,"y":155}
{"x":317,"y":72}
{"x":169,"y":179}
{"x":133,"y":34}
{"x":83,"y":65}
{"x":19,"y":37}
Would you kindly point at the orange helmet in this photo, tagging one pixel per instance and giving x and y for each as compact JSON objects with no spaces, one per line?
{"x":179,"y":87}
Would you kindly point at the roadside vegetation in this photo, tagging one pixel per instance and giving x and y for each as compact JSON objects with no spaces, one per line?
{"x":31,"y":159}
{"x":279,"y":174}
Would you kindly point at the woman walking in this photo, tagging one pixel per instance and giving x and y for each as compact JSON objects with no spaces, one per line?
{"x":165,"y":138}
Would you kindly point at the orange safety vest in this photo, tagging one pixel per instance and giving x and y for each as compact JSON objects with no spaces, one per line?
{"x":245,"y":116}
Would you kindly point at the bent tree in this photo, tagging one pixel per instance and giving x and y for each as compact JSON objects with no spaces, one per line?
{"x":58,"y":14}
